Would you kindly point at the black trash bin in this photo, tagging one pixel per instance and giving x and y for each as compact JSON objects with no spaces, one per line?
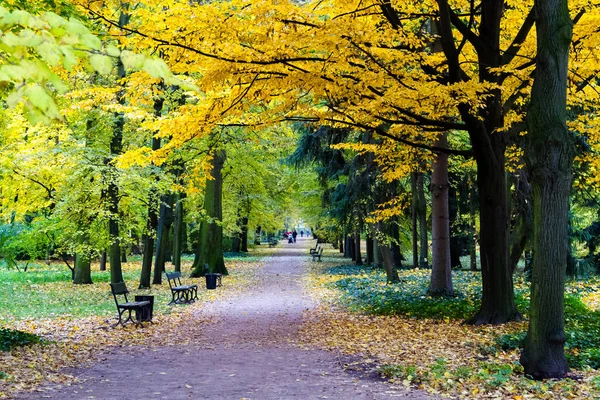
{"x":146,"y":312}
{"x":211,"y":281}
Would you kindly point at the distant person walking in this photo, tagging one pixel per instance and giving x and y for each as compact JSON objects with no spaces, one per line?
{"x":294,"y":234}
{"x":301,"y":233}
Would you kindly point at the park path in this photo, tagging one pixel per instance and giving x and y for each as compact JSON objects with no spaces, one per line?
{"x":245,"y":353}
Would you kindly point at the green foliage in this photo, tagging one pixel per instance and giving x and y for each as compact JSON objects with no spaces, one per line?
{"x":366,"y":290}
{"x":10,"y":339}
{"x":22,"y":242}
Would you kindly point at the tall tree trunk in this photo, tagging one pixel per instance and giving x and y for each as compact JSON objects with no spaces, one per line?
{"x":244,"y":237}
{"x":497,"y":303}
{"x":549,"y":155}
{"x":456,"y":241}
{"x":165,"y":221}
{"x":422,"y":214}
{"x":178,"y":231}
{"x":357,"y":252}
{"x":211,"y":232}
{"x":116,"y":148}
{"x":394,"y":232}
{"x":369,"y":250}
{"x":103,"y":261}
{"x":441,"y":271}
{"x":473,"y":231}
{"x":415,"y":233}
{"x":152,"y":219}
{"x":114,"y":250}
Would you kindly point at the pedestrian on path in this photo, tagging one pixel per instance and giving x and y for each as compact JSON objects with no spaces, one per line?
{"x":294,"y":234}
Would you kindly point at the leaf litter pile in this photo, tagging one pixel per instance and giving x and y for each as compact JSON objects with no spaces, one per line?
{"x":424,"y":345}
{"x":71,"y":340}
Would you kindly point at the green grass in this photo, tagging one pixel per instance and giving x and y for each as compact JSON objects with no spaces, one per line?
{"x":365,"y":290}
{"x":46,"y":291}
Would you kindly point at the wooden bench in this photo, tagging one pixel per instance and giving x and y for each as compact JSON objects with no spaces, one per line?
{"x":181,"y":294}
{"x":317,"y":255}
{"x":273,"y":243}
{"x":120,"y":289}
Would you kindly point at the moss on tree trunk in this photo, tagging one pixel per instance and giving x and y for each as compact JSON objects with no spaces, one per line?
{"x":549,"y":154}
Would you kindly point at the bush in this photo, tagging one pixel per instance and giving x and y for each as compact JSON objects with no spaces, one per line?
{"x":10,"y":339}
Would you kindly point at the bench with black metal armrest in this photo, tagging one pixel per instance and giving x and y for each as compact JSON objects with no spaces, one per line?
{"x":180,"y":293}
{"x":273,"y":242}
{"x":120,"y":289}
{"x":317,"y":255}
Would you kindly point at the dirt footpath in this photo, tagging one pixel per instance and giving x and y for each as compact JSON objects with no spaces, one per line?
{"x":246,"y":353}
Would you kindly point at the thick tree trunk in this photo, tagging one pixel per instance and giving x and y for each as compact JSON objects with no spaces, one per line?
{"x":211,"y":232}
{"x":83,"y":271}
{"x":497,"y":303}
{"x":441,"y":271}
{"x":422,"y":214}
{"x":165,"y":221}
{"x":388,"y":263}
{"x":549,"y":155}
{"x":178,"y":231}
{"x":415,"y":233}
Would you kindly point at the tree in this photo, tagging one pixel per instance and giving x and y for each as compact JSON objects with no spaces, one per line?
{"x":550,"y":152}
{"x":209,"y":249}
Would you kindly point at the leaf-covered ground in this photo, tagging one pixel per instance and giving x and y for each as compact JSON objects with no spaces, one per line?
{"x":421,"y":342}
{"x":73,"y":339}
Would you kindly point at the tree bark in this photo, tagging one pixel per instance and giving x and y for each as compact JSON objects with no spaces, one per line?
{"x":178,"y":231}
{"x":422,"y":214}
{"x":152,"y":218}
{"x":211,"y":232}
{"x":83,"y":271}
{"x":415,"y":233}
{"x":165,"y":221}
{"x":116,"y":148}
{"x":114,"y":249}
{"x":369,"y":250}
{"x":244,"y":237}
{"x":549,"y":154}
{"x":441,"y":271}
{"x":103,"y":261}
{"x":473,"y":231}
{"x":357,"y":252}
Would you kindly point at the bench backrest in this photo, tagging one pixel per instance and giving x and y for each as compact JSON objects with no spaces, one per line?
{"x":118,"y":289}
{"x":174,"y":277}
{"x":321,"y":251}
